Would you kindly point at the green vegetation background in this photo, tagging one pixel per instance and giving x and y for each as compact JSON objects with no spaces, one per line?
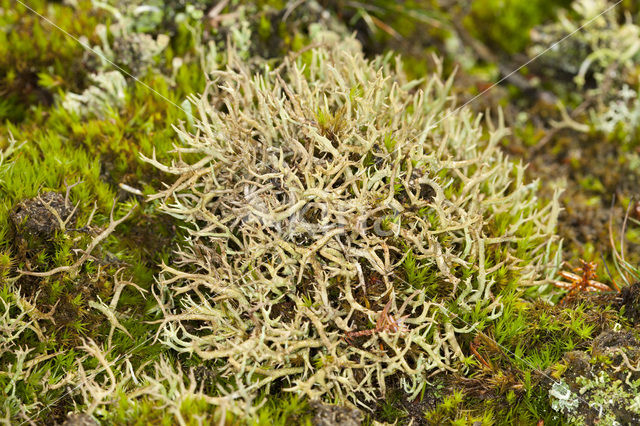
{"x":99,"y":149}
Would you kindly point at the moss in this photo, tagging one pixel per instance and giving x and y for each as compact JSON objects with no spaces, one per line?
{"x":284,"y":410}
{"x":506,"y":23}
{"x":75,"y":306}
{"x":516,"y":359}
{"x":100,"y":355}
{"x":603,"y":385}
{"x":37,"y":61}
{"x":451,"y":410}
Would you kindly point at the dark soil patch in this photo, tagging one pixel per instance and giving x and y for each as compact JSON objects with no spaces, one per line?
{"x":610,"y":340}
{"x":396,"y":405}
{"x":285,"y":310}
{"x":207,"y":378}
{"x":58,"y":413}
{"x":630,"y":300}
{"x":37,"y":216}
{"x":35,"y":222}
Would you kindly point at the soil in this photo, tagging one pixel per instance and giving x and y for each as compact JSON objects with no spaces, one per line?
{"x":206,"y":377}
{"x":285,"y":310}
{"x":59,"y":413}
{"x":32,"y":216}
{"x":413,"y":410}
{"x":630,"y":300}
{"x":416,"y":409}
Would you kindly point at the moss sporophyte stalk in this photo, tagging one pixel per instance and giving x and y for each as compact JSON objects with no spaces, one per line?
{"x":324,"y":194}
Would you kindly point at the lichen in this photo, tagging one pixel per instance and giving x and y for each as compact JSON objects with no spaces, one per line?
{"x":106,"y":94}
{"x":601,"y":50}
{"x":604,"y":42}
{"x":562,"y":399}
{"x":308,"y":187}
{"x":601,"y":387}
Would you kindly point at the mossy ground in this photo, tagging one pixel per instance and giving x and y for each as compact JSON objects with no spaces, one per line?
{"x":509,"y":361}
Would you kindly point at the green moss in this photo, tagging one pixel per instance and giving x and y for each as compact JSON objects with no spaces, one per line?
{"x":506,"y":23}
{"x":101,"y":153}
{"x":451,"y":410}
{"x":521,"y":347}
{"x":36,"y":60}
{"x":283,"y":410}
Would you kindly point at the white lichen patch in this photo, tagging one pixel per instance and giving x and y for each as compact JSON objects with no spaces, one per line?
{"x":562,"y":399}
{"x":307,"y":190}
{"x":107,"y":93}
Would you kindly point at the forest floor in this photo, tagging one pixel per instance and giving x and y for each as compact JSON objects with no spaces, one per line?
{"x":83,"y":244}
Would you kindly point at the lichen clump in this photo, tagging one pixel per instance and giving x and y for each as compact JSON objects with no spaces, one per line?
{"x":317,"y":192}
